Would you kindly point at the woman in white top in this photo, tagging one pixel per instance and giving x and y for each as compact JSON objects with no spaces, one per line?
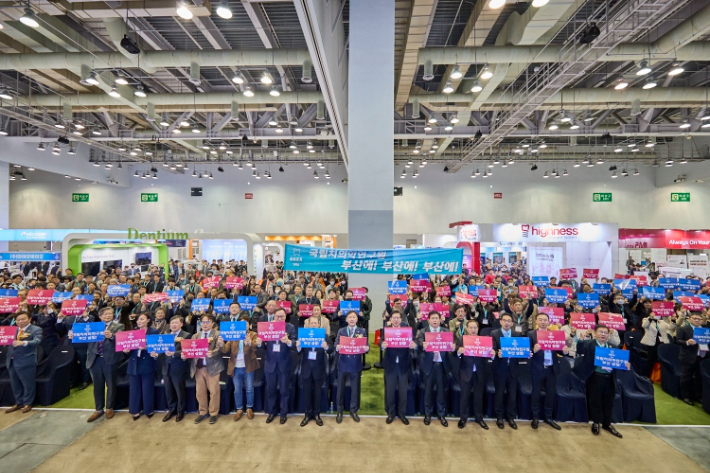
{"x":656,"y":331}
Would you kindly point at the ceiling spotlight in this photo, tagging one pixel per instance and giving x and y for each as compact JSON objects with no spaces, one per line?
{"x":223,"y":10}
{"x":590,"y":165}
{"x":67,"y":176}
{"x":621,"y":84}
{"x":669,"y":163}
{"x":427,"y":127}
{"x":250,"y":164}
{"x":183,"y":11}
{"x":643,"y":69}
{"x":456,"y":74}
{"x":566,"y":118}
{"x":274,"y":92}
{"x":211,"y":176}
{"x":92,"y":79}
{"x":266,"y":78}
{"x":248,"y":92}
{"x":576,"y":165}
{"x":114,"y":92}
{"x":539,"y":3}
{"x":601,"y":161}
{"x":618,"y":150}
{"x":3,"y":131}
{"x":650,"y":83}
{"x":298,"y":129}
{"x":223,"y":146}
{"x":59,"y":125}
{"x":486,"y":73}
{"x":29,"y":18}
{"x":448,"y":127}
{"x":293,"y":145}
{"x":5,"y":95}
{"x":454,"y":119}
{"x":273,"y":122}
{"x":495,"y":4}
{"x":327,"y":175}
{"x":79,"y":126}
{"x":476,"y":86}
{"x":140,"y":91}
{"x":624,"y":173}
{"x":705,"y":125}
{"x":121,"y":80}
{"x":574,"y":127}
{"x":424,"y":161}
{"x":448,"y":88}
{"x":71,"y":150}
{"x":545,"y":175}
{"x":279,"y":130}
{"x":177,"y":131}
{"x":553,"y":126}
{"x":613,"y":175}
{"x":636,"y":172}
{"x":56,"y":151}
{"x":676,"y":69}
{"x":309,"y":145}
{"x":195,"y":128}
{"x":315,"y":175}
{"x":650,"y":144}
{"x":40,"y":147}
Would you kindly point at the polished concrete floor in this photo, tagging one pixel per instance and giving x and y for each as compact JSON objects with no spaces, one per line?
{"x":52,"y":441}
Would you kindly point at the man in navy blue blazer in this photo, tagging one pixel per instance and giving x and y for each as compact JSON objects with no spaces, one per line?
{"x":313,"y":371}
{"x":22,"y":363}
{"x":175,"y":373}
{"x":350,"y":366}
{"x":397,"y":365}
{"x":434,"y":366}
{"x":505,"y":374}
{"x":278,"y":368}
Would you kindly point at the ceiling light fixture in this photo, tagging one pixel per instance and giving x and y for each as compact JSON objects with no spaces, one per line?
{"x":274,"y":92}
{"x":621,"y":84}
{"x":266,"y":78}
{"x":114,"y":92}
{"x":248,"y":92}
{"x":496,"y":4}
{"x":140,"y":91}
{"x":676,"y":69}
{"x":476,"y":86}
{"x":448,"y":88}
{"x":486,"y":73}
{"x":29,"y":18}
{"x":121,"y":79}
{"x":456,"y":74}
{"x":183,"y":11}
{"x":650,"y":83}
{"x":643,"y":69}
{"x":223,"y":10}
{"x":238,"y":78}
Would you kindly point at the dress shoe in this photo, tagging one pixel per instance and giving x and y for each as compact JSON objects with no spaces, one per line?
{"x":534,"y":423}
{"x":26,"y":409}
{"x":283,"y":420}
{"x":250,"y":413}
{"x":13,"y":409}
{"x":688,"y":402}
{"x":443,"y":421}
{"x":238,"y":415}
{"x":200,"y":418}
{"x":136,"y":417}
{"x":319,"y":421}
{"x":613,"y":431}
{"x":427,"y":420}
{"x":483,"y":424}
{"x":462,"y":423}
{"x":180,"y":417}
{"x":512,"y":424}
{"x":389,"y":419}
{"x":355,"y":417}
{"x":553,"y":424}
{"x":168,"y":416}
{"x":339,"y":417}
{"x":83,"y":386}
{"x":404,"y":420}
{"x":150,"y":416}
{"x":595,"y":429}
{"x":110,"y":413}
{"x":270,"y":419}
{"x":213,"y":419}
{"x":305,"y":421}
{"x":95,"y":416}
{"x":500,"y":424}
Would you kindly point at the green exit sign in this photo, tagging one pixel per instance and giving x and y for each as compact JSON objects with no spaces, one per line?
{"x":149,"y":197}
{"x":680,"y":196}
{"x":80,"y":197}
{"x":601,"y":197}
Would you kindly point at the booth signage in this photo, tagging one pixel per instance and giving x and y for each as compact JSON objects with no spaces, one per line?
{"x":22,"y":256}
{"x":680,"y":196}
{"x":670,"y":239}
{"x":601,"y":197}
{"x":519,"y":234}
{"x":497,"y":195}
{"x":248,"y":196}
{"x":80,"y":197}
{"x":161,"y":234}
{"x":149,"y":197}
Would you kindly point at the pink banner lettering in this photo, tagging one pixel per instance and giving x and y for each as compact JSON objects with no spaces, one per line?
{"x":73,"y":307}
{"x":551,"y":339}
{"x":39,"y":296}
{"x":286,"y":305}
{"x":399,"y":337}
{"x":330,"y":307}
{"x":271,"y":331}
{"x":477,"y":346}
{"x":130,"y":340}
{"x":440,"y":341}
{"x":582,"y":321}
{"x":615,"y":321}
{"x":442,"y":291}
{"x":590,"y":273}
{"x":306,"y":310}
{"x":663,"y":308}
{"x":488,"y":295}
{"x":197,"y":348}
{"x":353,"y":345}
{"x":7,"y":334}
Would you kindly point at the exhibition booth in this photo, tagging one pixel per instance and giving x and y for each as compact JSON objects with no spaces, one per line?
{"x":675,"y":253}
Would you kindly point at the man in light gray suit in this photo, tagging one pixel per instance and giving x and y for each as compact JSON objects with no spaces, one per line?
{"x":206,"y":371}
{"x":22,"y":363}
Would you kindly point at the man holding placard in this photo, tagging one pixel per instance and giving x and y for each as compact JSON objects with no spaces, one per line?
{"x":313,"y":346}
{"x":279,"y":338}
{"x":396,"y":343}
{"x":241,"y":346}
{"x":22,"y":363}
{"x":505,"y":370}
{"x":175,"y":371}
{"x":351,"y":343}
{"x":693,"y":340}
{"x":206,"y":370}
{"x":435,"y":341}
{"x":473,"y":351}
{"x":548,"y":347}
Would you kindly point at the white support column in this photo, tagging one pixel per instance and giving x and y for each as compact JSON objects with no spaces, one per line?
{"x":4,"y":201}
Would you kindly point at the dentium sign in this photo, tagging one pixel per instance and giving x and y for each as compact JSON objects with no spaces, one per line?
{"x":163,"y":234}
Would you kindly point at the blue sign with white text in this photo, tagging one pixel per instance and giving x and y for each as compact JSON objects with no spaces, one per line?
{"x":473,"y":290}
{"x":654,"y":293}
{"x":705,"y":298}
{"x":624,"y":283}
{"x":628,"y":292}
{"x":689,"y":284}
{"x":59,"y":297}
{"x":160,"y":343}
{"x":611,"y":358}
{"x":515,"y":347}
{"x":398,"y":287}
{"x":588,"y":300}
{"x":247,"y":302}
{"x":10,"y":293}
{"x":541,"y":281}
{"x":221,"y":306}
{"x":88,"y":333}
{"x":175,"y":296}
{"x":677,"y":294}
{"x":311,"y":337}
{"x":556,"y":296}
{"x":83,"y":297}
{"x":200,"y":305}
{"x":348,"y":306}
{"x":26,"y":256}
{"x":701,"y":335}
{"x":602,"y":289}
{"x":233,"y":331}
{"x":118,"y":290}
{"x":668,"y":283}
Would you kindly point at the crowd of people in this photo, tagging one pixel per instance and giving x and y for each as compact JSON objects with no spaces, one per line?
{"x":510,"y":313}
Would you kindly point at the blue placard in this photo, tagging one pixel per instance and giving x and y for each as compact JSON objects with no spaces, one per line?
{"x":175,"y":296}
{"x":473,"y":290}
{"x":247,"y":302}
{"x":38,"y":256}
{"x":385,"y":261}
{"x":556,"y":296}
{"x":221,"y":306}
{"x":118,"y":290}
{"x":311,"y":337}
{"x":689,"y":284}
{"x":348,"y":306}
{"x":398,"y":287}
{"x":668,"y":283}
{"x":420,"y":277}
{"x":160,"y":343}
{"x":602,"y":289}
{"x":515,"y":347}
{"x":624,"y":283}
{"x":84,"y":297}
{"x":59,"y":297}
{"x":588,"y":300}
{"x":611,"y":358}
{"x":88,"y":333}
{"x":705,"y":298}
{"x":233,"y":331}
{"x":11,"y":293}
{"x":701,"y":335}
{"x":541,"y":281}
{"x":628,"y":292}
{"x":654,"y":293}
{"x":677,"y":294}
{"x":200,"y":305}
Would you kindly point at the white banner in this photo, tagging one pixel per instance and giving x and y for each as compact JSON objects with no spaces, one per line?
{"x":698,"y":264}
{"x":544,"y":261}
{"x":677,"y":261}
{"x":522,"y":233}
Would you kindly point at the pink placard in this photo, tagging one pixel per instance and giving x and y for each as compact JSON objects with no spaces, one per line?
{"x":210,"y":282}
{"x":271,"y":331}
{"x":442,"y":308}
{"x":420,"y":285}
{"x":569,"y":290}
{"x":440,"y":341}
{"x":286,"y":305}
{"x":477,"y":346}
{"x":195,"y":348}
{"x":329,"y":307}
{"x":568,"y":273}
{"x":442,"y":291}
{"x":556,"y":314}
{"x":8,"y":305}
{"x":353,"y":345}
{"x":693,"y":304}
{"x":358,"y":293}
{"x":621,"y":276}
{"x":640,"y":280}
{"x":488,"y":295}
{"x":39,"y":296}
{"x":590,"y":273}
{"x":582,"y":321}
{"x":462,"y":298}
{"x":234,"y":282}
{"x":551,"y":339}
{"x":402,"y":298}
{"x":74,"y":307}
{"x":155,"y":297}
{"x":615,"y":321}
{"x":130,"y":340}
{"x":527,"y":292}
{"x":663,"y":308}
{"x":306,"y":310}
{"x":399,"y":337}
{"x":425,"y":308}
{"x":7,"y":334}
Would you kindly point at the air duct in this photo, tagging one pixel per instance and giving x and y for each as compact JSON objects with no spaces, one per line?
{"x":320,"y":110}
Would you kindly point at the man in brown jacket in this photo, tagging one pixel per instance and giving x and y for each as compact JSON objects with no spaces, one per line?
{"x":241,"y":367}
{"x":206,"y":371}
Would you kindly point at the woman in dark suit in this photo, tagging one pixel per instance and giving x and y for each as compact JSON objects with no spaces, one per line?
{"x":141,"y":373}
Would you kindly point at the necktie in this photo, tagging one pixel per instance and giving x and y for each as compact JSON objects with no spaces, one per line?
{"x":19,"y":335}
{"x":351,"y":333}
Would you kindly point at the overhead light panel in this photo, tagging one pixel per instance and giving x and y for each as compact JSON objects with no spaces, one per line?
{"x":540,"y":3}
{"x":238,"y":78}
{"x":650,"y":83}
{"x":5,"y":95}
{"x":496,"y":4}
{"x":621,"y":84}
{"x":121,"y":79}
{"x":92,"y":79}
{"x":274,"y":92}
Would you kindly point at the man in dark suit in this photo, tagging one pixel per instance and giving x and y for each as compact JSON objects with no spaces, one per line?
{"x":278,"y":368}
{"x":313,"y":369}
{"x":396,"y":362}
{"x":155,"y":286}
{"x":65,"y":324}
{"x":505,"y":374}
{"x":175,"y":371}
{"x":102,"y":361}
{"x":545,"y":366}
{"x":691,"y":353}
{"x":433,"y":365}
{"x":270,"y":308}
{"x":350,"y":366}
{"x":22,"y":363}
{"x":601,"y":382}
{"x":471,"y":378}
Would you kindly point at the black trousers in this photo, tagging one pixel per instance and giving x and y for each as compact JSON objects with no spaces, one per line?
{"x":436,"y":376}
{"x":312,"y":388}
{"x":175,"y":391}
{"x":104,"y":376}
{"x":600,"y":396}
{"x":650,"y":361}
{"x":690,"y":379}
{"x":550,"y":383}
{"x":282,"y":379}
{"x":396,"y":383}
{"x":80,"y":358}
{"x":477,"y":387}
{"x":354,"y":392}
{"x":506,"y":392}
